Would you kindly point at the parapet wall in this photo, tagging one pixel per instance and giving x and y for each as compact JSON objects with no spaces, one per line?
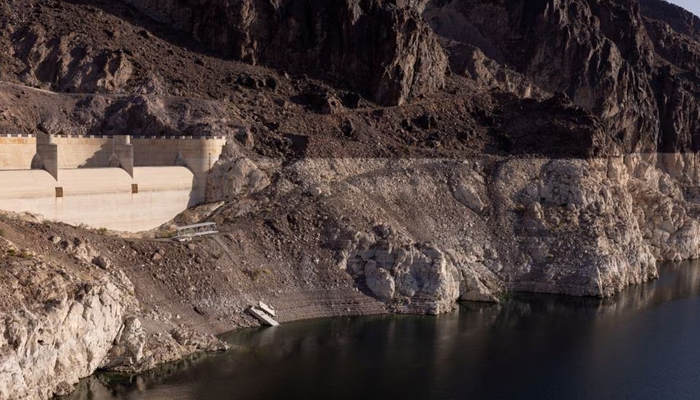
{"x":84,"y":151}
{"x":197,"y":154}
{"x":77,"y":151}
{"x":17,"y":152}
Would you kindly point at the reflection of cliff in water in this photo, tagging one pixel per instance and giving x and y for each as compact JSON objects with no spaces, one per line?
{"x":114,"y":385}
{"x":677,"y":280}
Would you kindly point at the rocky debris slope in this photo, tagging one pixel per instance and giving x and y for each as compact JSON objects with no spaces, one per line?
{"x":63,"y":317}
{"x":382,"y":49}
{"x":183,"y":90}
{"x":29,"y":111}
{"x":55,"y":60}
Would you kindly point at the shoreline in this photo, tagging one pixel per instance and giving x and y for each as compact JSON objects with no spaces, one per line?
{"x":625,"y":302}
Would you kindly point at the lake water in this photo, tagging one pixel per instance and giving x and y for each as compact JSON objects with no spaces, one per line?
{"x":642,"y":344}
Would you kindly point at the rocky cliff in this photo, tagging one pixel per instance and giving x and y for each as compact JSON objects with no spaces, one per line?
{"x":56,"y":326}
{"x":383,"y":156}
{"x":62,"y":317}
{"x":629,"y":64}
{"x":381,"y":48}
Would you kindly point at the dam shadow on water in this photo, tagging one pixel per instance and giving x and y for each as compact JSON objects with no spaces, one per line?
{"x":641,"y":344}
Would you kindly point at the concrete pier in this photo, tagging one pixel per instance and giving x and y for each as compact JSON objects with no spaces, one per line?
{"x":262,"y":316}
{"x":47,"y":153}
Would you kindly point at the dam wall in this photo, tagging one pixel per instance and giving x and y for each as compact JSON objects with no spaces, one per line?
{"x":197,"y":154}
{"x":119,"y":183}
{"x":100,"y":197}
{"x":84,"y":151}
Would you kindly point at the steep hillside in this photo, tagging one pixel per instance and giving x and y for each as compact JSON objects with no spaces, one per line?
{"x":635,"y":72}
{"x":383,"y":156}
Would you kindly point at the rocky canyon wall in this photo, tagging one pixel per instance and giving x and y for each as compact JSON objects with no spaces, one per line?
{"x":556,"y":154}
{"x":629,"y":65}
{"x":420,"y":235}
{"x":383,"y":49}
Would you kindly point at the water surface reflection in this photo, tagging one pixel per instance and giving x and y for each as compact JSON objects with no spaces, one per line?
{"x":641,"y":344}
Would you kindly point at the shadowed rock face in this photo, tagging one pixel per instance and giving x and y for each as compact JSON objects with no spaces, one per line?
{"x":635,"y":72}
{"x":676,"y":17}
{"x":381,"y":48}
{"x":597,"y":52}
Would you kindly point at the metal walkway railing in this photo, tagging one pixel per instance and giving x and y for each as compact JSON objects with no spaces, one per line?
{"x":190,"y":231}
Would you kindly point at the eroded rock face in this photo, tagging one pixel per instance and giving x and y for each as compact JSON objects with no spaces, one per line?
{"x":136,"y":350}
{"x":416,"y":278}
{"x":383,"y":49}
{"x":665,"y":211}
{"x":58,"y":63}
{"x":59,"y":324}
{"x":231,"y":179}
{"x":633,"y":67}
{"x":471,"y":230}
{"x":574,"y":223}
{"x":675,"y":16}
{"x":471,"y":62}
{"x":56,"y":327}
{"x":597,"y":52}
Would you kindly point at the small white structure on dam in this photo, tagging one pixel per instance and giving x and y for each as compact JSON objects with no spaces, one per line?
{"x":116,"y":182}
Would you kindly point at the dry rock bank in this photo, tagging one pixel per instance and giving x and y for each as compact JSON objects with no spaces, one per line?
{"x":332,"y":237}
{"x":61,"y":318}
{"x":421,"y":234}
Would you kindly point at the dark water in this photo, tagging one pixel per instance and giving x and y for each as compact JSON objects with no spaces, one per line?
{"x":643,"y":344}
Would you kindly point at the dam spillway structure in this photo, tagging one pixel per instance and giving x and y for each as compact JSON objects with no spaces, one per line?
{"x":121,"y":183}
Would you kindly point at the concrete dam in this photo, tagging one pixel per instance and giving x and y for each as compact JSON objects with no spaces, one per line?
{"x":121,"y":183}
